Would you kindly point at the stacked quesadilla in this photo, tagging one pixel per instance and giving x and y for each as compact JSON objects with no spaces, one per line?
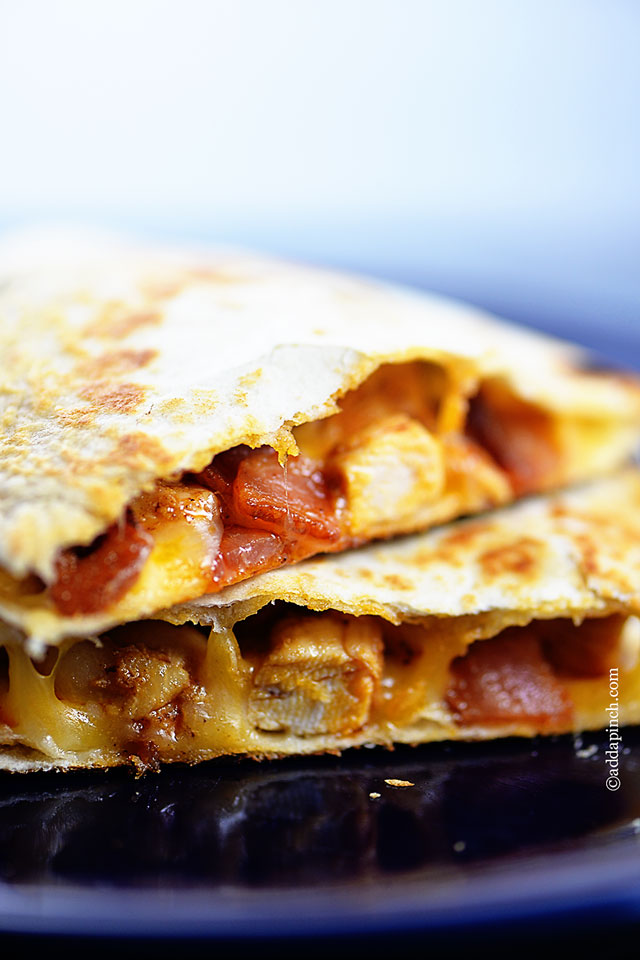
{"x":223,"y":484}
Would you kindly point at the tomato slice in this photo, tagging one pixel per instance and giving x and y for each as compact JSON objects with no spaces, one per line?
{"x":222,"y":470}
{"x":519,"y":437}
{"x":246,"y":552}
{"x":589,"y":649}
{"x":91,"y":579}
{"x":272,"y":513}
{"x":293,"y":501}
{"x":507,"y":679}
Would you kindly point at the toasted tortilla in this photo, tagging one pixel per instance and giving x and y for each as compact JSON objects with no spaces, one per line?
{"x":528,"y":609}
{"x":123,"y":368}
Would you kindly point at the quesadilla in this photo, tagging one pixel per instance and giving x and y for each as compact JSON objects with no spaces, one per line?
{"x":524,"y":621}
{"x":174,"y":424}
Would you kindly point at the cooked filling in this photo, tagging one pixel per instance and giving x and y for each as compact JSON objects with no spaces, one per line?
{"x":407,"y":449}
{"x":286,"y":677}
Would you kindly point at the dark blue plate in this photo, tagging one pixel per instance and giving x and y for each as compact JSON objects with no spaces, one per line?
{"x":487,"y":833}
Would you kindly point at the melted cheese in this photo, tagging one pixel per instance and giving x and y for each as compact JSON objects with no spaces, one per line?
{"x":150,"y":692}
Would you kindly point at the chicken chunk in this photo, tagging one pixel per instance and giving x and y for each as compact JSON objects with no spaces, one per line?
{"x":319,"y":675}
{"x":390,"y":470}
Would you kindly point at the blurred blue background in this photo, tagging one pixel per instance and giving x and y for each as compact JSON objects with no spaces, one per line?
{"x":484,"y":148}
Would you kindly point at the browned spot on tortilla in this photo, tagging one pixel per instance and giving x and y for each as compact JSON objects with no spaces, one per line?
{"x":202,"y":396}
{"x":422,"y":557}
{"x":115,"y":320}
{"x":464,"y":536}
{"x":163,"y":289}
{"x":240,"y":397}
{"x":604,"y":542}
{"x":519,"y":557}
{"x":115,"y":399}
{"x":249,"y":379}
{"x":168,"y":287}
{"x":115,"y":362}
{"x":134,"y":447}
{"x":125,"y":325}
{"x":396,"y":581}
{"x":216,"y":275}
{"x":76,"y":416}
{"x":454,"y":547}
{"x":588,"y":550}
{"x":200,"y":404}
{"x":174,"y":406}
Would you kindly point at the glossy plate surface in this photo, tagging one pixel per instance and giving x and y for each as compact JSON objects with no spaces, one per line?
{"x":486,"y":832}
